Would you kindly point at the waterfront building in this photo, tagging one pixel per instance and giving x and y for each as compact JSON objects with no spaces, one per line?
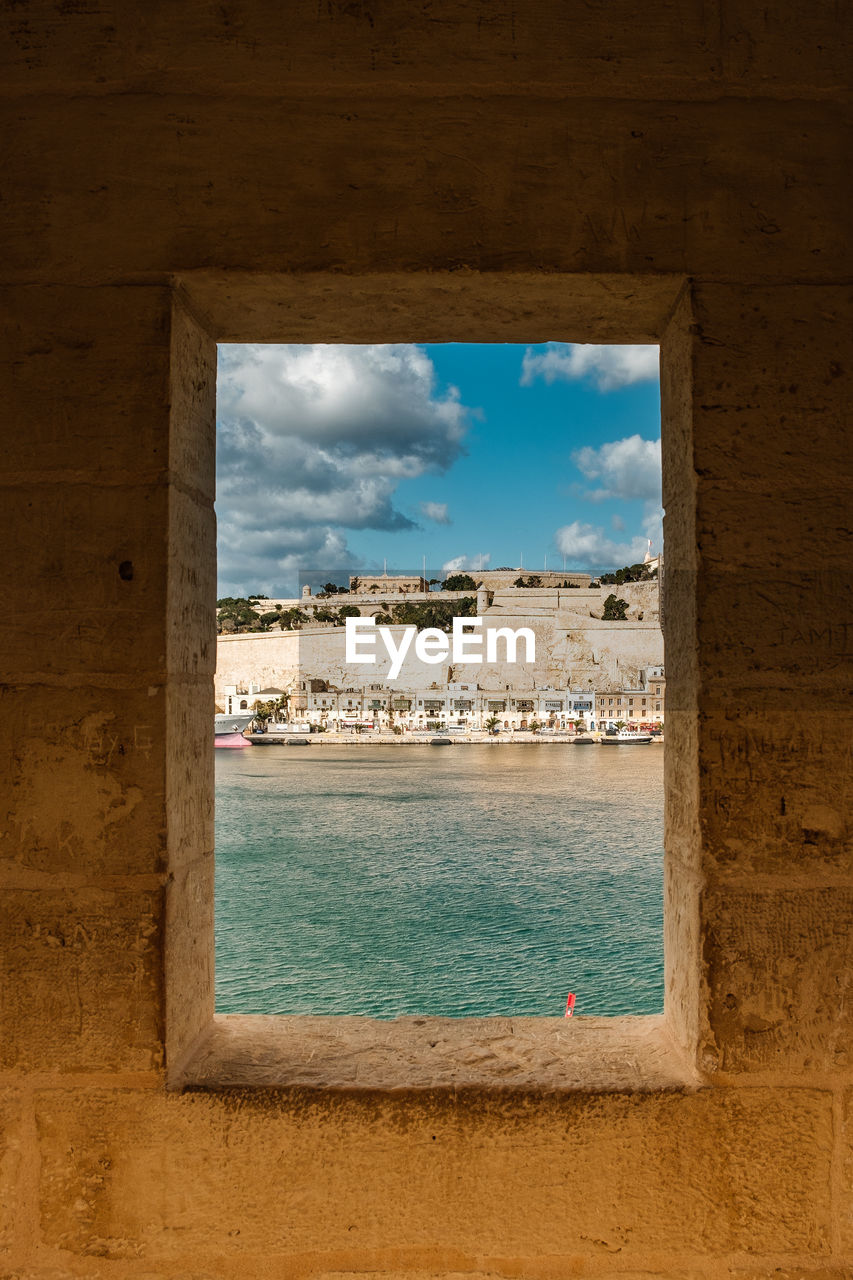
{"x":420,"y":706}
{"x":644,"y":704}
{"x":245,"y":697}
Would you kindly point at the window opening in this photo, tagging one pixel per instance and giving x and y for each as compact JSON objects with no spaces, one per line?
{"x":369,"y":873}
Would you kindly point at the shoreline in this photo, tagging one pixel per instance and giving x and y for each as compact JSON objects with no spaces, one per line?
{"x":421,"y":740}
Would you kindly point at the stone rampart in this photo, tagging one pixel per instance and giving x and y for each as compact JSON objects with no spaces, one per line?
{"x":597,"y":654}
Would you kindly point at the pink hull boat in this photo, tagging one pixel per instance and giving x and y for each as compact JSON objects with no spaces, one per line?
{"x":231,"y":740}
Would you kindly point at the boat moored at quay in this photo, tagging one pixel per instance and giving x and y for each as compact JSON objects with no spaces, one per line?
{"x":229,"y":730}
{"x":625,"y":737}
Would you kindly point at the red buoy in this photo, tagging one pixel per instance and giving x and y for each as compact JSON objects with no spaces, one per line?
{"x":570,"y":1004}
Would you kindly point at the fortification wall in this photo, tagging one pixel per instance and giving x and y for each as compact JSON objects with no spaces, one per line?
{"x":367,"y":601}
{"x":606,"y":655}
{"x":641,"y":597}
{"x":579,"y":603}
{"x":500,"y":579}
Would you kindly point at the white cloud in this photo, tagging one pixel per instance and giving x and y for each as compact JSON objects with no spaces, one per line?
{"x":653,"y":527}
{"x":265,"y":562}
{"x":609,"y":367}
{"x":459,"y":563}
{"x":435,"y":511}
{"x":590,"y":547}
{"x":315,"y":439}
{"x":629,"y":468}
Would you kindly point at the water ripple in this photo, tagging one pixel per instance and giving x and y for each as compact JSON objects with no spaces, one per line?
{"x":472,"y":881}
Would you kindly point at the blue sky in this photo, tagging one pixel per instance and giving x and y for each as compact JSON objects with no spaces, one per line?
{"x":339,"y":458}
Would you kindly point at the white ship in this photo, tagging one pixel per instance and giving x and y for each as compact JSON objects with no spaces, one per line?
{"x":229,"y":730}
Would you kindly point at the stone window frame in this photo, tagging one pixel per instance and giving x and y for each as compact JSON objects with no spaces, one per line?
{"x":211,"y":1052}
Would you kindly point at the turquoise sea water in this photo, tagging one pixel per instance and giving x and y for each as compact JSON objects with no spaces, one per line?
{"x":465,"y":881}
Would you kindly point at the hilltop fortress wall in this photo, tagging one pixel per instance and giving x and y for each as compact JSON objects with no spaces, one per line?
{"x":573,"y":648}
{"x":583,"y":602}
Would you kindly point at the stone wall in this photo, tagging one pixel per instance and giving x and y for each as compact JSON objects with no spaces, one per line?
{"x":181,"y":175}
{"x":570,"y":651}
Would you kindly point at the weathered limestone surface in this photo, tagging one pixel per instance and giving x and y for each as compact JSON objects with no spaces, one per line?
{"x":10,"y":1170}
{"x":800,"y":945}
{"x":508,"y":1055}
{"x":846,"y":1205}
{"x":604,"y":185}
{"x":259,"y":1173}
{"x":180,"y":175}
{"x":85,"y":787}
{"x":450,"y":305}
{"x":572,"y":650}
{"x":805,"y":817}
{"x":89,"y":961}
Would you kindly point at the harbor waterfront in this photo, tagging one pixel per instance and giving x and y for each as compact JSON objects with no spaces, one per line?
{"x":516,"y":738}
{"x":458,"y":883}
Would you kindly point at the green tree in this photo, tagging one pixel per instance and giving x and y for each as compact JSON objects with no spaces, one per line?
{"x":532,"y":581}
{"x":434,"y":613}
{"x":491,"y":724}
{"x":347,"y":611}
{"x":629,"y":573}
{"x":615,"y":610}
{"x":292,"y":619}
{"x":239,"y":613}
{"x":459,"y":582}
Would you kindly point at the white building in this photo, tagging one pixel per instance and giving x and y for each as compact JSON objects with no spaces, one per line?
{"x":245,"y":697}
{"x":456,"y":704}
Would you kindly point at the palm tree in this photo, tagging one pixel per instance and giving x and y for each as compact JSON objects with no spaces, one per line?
{"x":491,"y":724}
{"x":262,"y":712}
